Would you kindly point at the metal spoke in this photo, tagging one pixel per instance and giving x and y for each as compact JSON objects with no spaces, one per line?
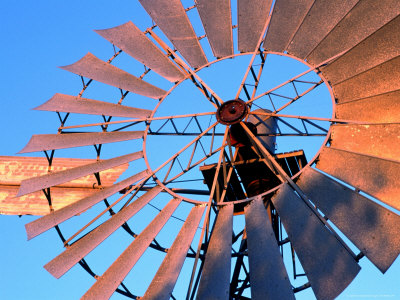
{"x":325,"y":62}
{"x":256,"y":50}
{"x":283,"y":177}
{"x":203,"y":87}
{"x":137,"y":120}
{"x":207,"y":215}
{"x":332,"y":120}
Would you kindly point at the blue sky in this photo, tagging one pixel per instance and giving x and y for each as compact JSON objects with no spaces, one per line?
{"x":36,"y":38}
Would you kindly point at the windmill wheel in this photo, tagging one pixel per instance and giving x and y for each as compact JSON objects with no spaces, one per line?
{"x":263,"y":165}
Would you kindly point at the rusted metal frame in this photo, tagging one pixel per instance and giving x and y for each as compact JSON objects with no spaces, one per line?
{"x":283,"y":177}
{"x":289,"y":125}
{"x":302,"y":288}
{"x":238,"y":266}
{"x":332,"y":120}
{"x":315,"y":125}
{"x":255,"y":52}
{"x":185,"y":68}
{"x":315,"y":68}
{"x":209,"y":97}
{"x":204,"y":231}
{"x":197,"y":281}
{"x":137,"y":120}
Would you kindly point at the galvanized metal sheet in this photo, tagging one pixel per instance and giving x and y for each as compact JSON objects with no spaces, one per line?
{"x":328,"y":265}
{"x":286,"y":19}
{"x":252,"y":15}
{"x":320,"y":20}
{"x":92,"y":67}
{"x":374,"y":229}
{"x":44,"y":223}
{"x":67,"y":103}
{"x":378,"y":177}
{"x":217,"y":21}
{"x":365,"y":18}
{"x":381,"y":140}
{"x":106,"y":284}
{"x":378,"y":80}
{"x":383,"y":108}
{"x":163,"y":283}
{"x":171,"y":17}
{"x":215,"y":278}
{"x":268,"y":277}
{"x":73,"y":254}
{"x":131,"y":40}
{"x":42,"y":142}
{"x":378,"y":48}
{"x":51,"y":179}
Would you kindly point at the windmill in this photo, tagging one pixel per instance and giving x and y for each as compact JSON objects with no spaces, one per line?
{"x":351,"y":79}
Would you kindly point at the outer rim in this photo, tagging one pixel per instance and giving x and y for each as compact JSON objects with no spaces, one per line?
{"x":311,"y":162}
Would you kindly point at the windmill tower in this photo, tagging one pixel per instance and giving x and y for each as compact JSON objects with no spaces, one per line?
{"x":300,"y":205}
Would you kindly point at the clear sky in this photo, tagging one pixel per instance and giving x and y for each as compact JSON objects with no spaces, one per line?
{"x":38,"y":36}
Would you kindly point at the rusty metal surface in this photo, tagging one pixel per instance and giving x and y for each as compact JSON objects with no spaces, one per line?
{"x":171,"y":17}
{"x":378,"y":48}
{"x":251,"y":15}
{"x":131,"y":40}
{"x":42,"y":142}
{"x":374,"y":229}
{"x":44,"y":223}
{"x":286,"y":19}
{"x":163,"y":283}
{"x":106,"y":284}
{"x":217,"y":21}
{"x":92,"y":67}
{"x":378,"y":80}
{"x":320,"y":20}
{"x":381,"y":140}
{"x":73,"y":254}
{"x":67,"y":103}
{"x":215,"y":278}
{"x":329,"y":267}
{"x":383,"y":108}
{"x":54,"y":178}
{"x":378,"y":177}
{"x":268,"y":276}
{"x":365,"y":18}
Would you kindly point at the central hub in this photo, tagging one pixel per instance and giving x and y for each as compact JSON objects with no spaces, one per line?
{"x":232,"y":112}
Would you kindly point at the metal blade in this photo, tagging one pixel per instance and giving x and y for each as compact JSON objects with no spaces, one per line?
{"x":171,"y":17}
{"x":43,"y":142}
{"x":215,"y":278}
{"x":320,"y":20}
{"x":371,"y":227}
{"x":375,"y":176}
{"x":383,"y":108}
{"x":355,"y":27}
{"x":92,"y":67}
{"x":378,"y":80}
{"x":328,"y":265}
{"x":131,"y":40}
{"x":217,"y":21}
{"x":252,"y":15}
{"x":111,"y":279}
{"x":381,"y":140}
{"x":268,"y":277}
{"x":164,"y":281}
{"x":51,"y":179}
{"x":378,"y":48}
{"x":44,"y":223}
{"x":66,"y":103}
{"x":73,"y":254}
{"x":286,"y":19}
